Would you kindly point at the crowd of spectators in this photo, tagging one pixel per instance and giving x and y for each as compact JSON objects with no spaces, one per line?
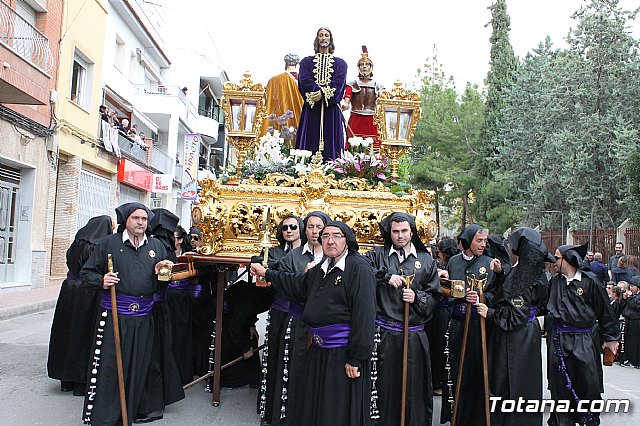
{"x":124,"y":128}
{"x":622,"y":284}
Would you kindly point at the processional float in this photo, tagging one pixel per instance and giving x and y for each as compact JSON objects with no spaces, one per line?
{"x":233,"y":215}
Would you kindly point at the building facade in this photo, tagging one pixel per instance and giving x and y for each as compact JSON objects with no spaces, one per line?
{"x":29,"y":32}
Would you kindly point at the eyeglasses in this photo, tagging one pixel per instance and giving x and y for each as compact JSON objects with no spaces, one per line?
{"x":334,"y":237}
{"x":293,"y":227}
{"x":195,"y":238}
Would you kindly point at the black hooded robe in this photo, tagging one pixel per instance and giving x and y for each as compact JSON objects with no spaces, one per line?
{"x":471,"y":405}
{"x":329,"y":396}
{"x":279,"y":397}
{"x":137,"y":278}
{"x":426,"y":284}
{"x":515,"y":361}
{"x":76,"y":311}
{"x":577,"y":304}
{"x":631,"y":314}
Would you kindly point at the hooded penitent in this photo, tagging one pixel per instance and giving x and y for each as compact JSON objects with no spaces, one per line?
{"x":532,"y":253}
{"x":573,"y":254}
{"x":466,"y":236}
{"x":301,"y":227}
{"x":124,"y":211}
{"x":317,"y":213}
{"x":352,"y":243}
{"x":163,"y":227}
{"x":385,"y":229}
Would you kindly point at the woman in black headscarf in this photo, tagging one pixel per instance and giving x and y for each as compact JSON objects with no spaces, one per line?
{"x":76,"y":312}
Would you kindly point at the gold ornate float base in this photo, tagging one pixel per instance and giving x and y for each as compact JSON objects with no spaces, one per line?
{"x":230,"y":216}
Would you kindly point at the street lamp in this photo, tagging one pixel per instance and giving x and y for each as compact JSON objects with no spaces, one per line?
{"x":397,"y":115}
{"x":561,"y":222}
{"x":243,"y":105}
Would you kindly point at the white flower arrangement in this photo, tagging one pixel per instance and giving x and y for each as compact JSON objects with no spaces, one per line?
{"x":358,"y":144}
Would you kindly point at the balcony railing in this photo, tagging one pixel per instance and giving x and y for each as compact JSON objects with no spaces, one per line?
{"x":24,"y":39}
{"x":169,"y":91}
{"x":131,"y":149}
{"x":162,"y":161}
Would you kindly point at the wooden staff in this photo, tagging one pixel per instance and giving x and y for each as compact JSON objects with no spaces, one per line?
{"x":467,"y":321}
{"x":116,"y":336}
{"x":405,"y":352}
{"x":229,"y":364}
{"x":485,"y":363}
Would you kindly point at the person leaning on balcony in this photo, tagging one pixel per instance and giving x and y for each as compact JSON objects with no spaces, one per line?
{"x":141,"y":140}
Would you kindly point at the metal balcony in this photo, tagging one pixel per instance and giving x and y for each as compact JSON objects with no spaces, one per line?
{"x":24,"y":39}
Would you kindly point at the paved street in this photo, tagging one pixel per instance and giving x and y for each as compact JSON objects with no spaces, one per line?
{"x":29,"y":397}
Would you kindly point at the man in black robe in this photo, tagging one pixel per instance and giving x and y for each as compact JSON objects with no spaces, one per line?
{"x":339,"y":297}
{"x":515,"y":362}
{"x":472,"y":261}
{"x":577,"y":303}
{"x":276,"y":370}
{"x":403,"y":254}
{"x":137,"y":260}
{"x":76,"y":309}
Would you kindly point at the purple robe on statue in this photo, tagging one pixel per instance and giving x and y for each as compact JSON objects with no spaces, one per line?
{"x":308,"y":135}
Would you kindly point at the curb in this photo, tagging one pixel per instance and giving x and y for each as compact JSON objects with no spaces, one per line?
{"x":20,"y":310}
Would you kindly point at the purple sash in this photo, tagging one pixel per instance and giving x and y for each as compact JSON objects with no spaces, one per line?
{"x":296,"y":310}
{"x":72,"y":276}
{"x":391,"y":324}
{"x":331,"y":336}
{"x":565,"y":328}
{"x":197,"y":290}
{"x":129,"y":305}
{"x":182,"y":285}
{"x":460,"y":311}
{"x":532,"y":313}
{"x":280,"y":304}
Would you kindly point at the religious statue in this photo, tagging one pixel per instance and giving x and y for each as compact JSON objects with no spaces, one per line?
{"x":361,"y":95}
{"x":322,"y":81}
{"x":283,"y":96}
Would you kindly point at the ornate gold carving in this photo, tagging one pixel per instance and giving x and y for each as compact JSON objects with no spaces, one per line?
{"x":279,"y":179}
{"x":366,"y":227}
{"x":246,"y":84}
{"x":242,"y":220}
{"x":231,"y":214}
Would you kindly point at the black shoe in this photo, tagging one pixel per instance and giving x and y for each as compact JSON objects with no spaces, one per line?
{"x":66,"y":386}
{"x":144,"y":418}
{"x":625,"y":363}
{"x":265,"y":422}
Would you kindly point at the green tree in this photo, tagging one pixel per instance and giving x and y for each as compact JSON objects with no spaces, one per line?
{"x":570,"y":122}
{"x":445,"y":141}
{"x":490,"y":207}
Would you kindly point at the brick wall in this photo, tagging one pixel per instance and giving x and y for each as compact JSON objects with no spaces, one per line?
{"x":65,"y":212}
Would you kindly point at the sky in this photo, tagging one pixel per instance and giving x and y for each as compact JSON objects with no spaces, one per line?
{"x":399,"y":35}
